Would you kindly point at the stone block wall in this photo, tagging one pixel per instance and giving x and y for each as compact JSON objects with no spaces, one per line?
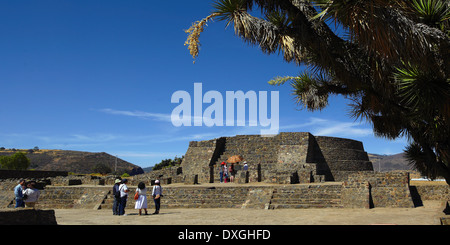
{"x":27,"y":217}
{"x":63,"y":197}
{"x":390,"y":189}
{"x":338,"y":157}
{"x":356,"y":194}
{"x":167,"y":175}
{"x":433,"y":192}
{"x":29,"y":174}
{"x":7,"y":192}
{"x":198,"y":158}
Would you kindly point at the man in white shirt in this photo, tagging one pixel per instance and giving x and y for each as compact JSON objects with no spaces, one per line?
{"x":157,"y":194}
{"x":123,"y":196}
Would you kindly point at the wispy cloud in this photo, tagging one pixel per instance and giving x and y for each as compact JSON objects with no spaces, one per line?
{"x":141,"y":114}
{"x":326,"y":127}
{"x":343,"y":129}
{"x":312,"y":121}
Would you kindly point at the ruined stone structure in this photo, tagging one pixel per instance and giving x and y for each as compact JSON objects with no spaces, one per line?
{"x":299,"y":170}
{"x":286,"y":158}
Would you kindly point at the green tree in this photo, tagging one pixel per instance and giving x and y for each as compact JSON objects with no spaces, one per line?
{"x":392,"y":63}
{"x":18,"y":161}
{"x":5,"y":162}
{"x":168,"y":163}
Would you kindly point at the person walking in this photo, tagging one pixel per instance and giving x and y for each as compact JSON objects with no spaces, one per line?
{"x":116,"y":196}
{"x":157,"y":194}
{"x":141,"y":202}
{"x":31,"y":195}
{"x":18,"y":193}
{"x":123,"y":196}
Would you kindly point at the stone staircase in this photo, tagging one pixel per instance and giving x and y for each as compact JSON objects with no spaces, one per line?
{"x":256,"y":150}
{"x":59,"y":197}
{"x":108,"y":201}
{"x":201,"y":197}
{"x":307,"y":196}
{"x":271,"y":197}
{"x":189,"y":197}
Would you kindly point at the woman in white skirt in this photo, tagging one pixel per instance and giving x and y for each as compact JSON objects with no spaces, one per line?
{"x":141,"y":202}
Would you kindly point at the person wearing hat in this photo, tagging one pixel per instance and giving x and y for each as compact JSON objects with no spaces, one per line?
{"x":116,"y":195}
{"x":245,"y":166}
{"x":157,"y":194}
{"x":221,"y":171}
{"x":123,"y":196}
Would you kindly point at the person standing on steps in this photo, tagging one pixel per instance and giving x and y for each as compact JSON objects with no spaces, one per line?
{"x":221,"y":172}
{"x":225,"y":172}
{"x":232,"y":172}
{"x":157,"y":194}
{"x":245,"y":166}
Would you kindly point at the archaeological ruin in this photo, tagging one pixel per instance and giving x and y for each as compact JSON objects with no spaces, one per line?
{"x":287,"y":158}
{"x":288,"y":170}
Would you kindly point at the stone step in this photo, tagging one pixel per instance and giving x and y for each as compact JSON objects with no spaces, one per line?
{"x":186,"y":203}
{"x":323,"y":196}
{"x":305,"y":201}
{"x":303,"y":206}
{"x":201,"y":201}
{"x":199,"y":205}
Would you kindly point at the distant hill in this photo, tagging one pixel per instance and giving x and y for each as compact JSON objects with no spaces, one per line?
{"x":74,"y":161}
{"x":148,"y":169}
{"x":385,"y":163}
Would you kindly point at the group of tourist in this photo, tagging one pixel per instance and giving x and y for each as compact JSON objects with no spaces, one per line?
{"x":120,"y":193}
{"x":26,"y":194}
{"x":228,"y":174}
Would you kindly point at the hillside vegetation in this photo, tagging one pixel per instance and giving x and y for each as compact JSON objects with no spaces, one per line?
{"x":74,"y":161}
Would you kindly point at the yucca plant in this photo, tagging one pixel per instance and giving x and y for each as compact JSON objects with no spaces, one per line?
{"x":393,"y":62}
{"x":434,"y":13}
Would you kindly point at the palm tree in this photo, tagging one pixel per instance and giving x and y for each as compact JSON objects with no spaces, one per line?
{"x":393,"y":63}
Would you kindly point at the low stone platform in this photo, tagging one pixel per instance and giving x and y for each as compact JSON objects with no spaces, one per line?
{"x":262,"y":196}
{"x":376,"y":190}
{"x":25,"y":216}
{"x":230,"y":195}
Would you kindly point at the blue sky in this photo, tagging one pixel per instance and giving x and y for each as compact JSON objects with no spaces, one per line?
{"x":98,"y":76}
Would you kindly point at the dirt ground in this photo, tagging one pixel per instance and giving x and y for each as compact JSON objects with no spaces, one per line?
{"x":428,"y":214}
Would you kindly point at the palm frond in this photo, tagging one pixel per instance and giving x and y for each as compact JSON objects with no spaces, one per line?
{"x":425,"y":93}
{"x":307,"y":92}
{"x":226,"y":9}
{"x":418,"y":159}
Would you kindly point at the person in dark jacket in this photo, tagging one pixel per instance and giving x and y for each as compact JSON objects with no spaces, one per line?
{"x":116,"y":195}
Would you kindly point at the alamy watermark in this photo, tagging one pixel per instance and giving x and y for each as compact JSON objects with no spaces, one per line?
{"x":213,"y":115}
